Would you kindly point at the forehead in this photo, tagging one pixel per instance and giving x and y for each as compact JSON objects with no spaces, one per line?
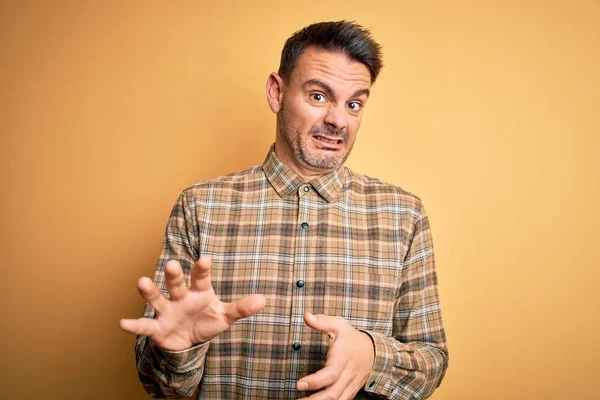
{"x":333,"y":68}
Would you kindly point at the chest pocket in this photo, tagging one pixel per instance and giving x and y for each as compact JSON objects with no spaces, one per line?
{"x":363,"y":295}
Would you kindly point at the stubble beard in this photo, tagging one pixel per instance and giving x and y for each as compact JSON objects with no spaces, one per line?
{"x":299,"y":143}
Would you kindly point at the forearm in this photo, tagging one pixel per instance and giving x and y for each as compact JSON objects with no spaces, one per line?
{"x":411,"y":362}
{"x":405,"y":370}
{"x":169,"y":374}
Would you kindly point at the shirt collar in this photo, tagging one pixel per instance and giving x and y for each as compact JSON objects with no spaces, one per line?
{"x":285,"y":181}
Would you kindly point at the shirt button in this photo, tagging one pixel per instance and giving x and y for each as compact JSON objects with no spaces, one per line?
{"x":304,"y":225}
{"x":372,"y":384}
{"x":300,"y":283}
{"x":296,"y":346}
{"x":306,"y":189}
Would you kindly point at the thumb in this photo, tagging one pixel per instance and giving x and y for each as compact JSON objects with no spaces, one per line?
{"x":324,"y":323}
{"x":244,"y":307}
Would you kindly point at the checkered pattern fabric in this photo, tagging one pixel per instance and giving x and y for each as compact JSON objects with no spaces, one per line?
{"x":343,"y":245}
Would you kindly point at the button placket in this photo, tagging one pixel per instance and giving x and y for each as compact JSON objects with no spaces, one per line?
{"x":301,"y":255}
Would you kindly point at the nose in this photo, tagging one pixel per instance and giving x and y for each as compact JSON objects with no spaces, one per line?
{"x":337,"y":117}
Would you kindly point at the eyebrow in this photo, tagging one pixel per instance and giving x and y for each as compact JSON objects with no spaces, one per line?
{"x":329,"y":92}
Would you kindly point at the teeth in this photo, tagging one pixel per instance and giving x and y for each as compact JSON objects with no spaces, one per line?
{"x":327,"y":140}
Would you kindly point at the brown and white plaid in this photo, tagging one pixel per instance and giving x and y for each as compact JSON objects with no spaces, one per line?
{"x":343,"y":245}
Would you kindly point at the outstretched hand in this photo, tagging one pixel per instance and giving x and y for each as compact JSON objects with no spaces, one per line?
{"x":349,"y":360}
{"x":190,"y":316}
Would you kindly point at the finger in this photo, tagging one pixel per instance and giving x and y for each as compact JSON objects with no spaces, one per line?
{"x":152,"y":294}
{"x":350,"y":391}
{"x":333,"y":392}
{"x":140,"y":326}
{"x":325,"y":323}
{"x":322,"y":378}
{"x":174,"y":280}
{"x":200,"y":274}
{"x":244,"y":307}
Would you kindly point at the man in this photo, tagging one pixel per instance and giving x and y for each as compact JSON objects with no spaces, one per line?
{"x":298,"y":278}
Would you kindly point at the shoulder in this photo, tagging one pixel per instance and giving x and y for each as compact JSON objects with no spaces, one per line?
{"x":225,"y":185}
{"x":366,"y":187}
{"x":223,"y":192}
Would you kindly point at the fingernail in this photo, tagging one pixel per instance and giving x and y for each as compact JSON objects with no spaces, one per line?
{"x":302,"y":385}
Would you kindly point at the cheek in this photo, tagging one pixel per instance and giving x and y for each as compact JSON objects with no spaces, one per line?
{"x":308,"y":116}
{"x":313,"y":113}
{"x":353,"y":126}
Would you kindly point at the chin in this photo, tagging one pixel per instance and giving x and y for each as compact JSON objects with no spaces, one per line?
{"x":318,"y":160}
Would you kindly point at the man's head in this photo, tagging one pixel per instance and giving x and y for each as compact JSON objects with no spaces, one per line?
{"x":323,"y":82}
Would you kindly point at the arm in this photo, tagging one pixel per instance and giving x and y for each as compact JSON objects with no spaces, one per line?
{"x":408,"y":365}
{"x":169,"y":374}
{"x":163,"y":373}
{"x":182,"y":313}
{"x":412,"y":363}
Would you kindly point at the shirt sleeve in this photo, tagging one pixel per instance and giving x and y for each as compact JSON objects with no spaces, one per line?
{"x":411,"y":364}
{"x":163,"y":373}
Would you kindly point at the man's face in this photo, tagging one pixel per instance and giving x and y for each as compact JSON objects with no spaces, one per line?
{"x":321,"y":111}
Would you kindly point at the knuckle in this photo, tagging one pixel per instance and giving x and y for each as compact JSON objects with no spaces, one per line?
{"x":333,"y":375}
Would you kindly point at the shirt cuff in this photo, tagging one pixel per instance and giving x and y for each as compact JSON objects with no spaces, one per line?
{"x":390,"y":355}
{"x":181,"y":361}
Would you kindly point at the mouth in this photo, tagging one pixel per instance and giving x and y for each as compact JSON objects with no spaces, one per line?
{"x":328,"y":143}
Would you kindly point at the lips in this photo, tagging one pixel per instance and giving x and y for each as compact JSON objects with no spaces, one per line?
{"x":328,"y":143}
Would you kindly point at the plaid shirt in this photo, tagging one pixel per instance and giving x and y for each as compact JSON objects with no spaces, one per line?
{"x":342,"y":245}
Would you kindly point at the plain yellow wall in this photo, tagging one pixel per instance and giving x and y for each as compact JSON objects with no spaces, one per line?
{"x":488,"y":110}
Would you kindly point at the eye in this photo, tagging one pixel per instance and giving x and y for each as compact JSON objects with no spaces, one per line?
{"x":317,"y":97}
{"x":354,"y":105}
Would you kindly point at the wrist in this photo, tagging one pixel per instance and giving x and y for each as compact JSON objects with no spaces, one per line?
{"x":371,"y":346}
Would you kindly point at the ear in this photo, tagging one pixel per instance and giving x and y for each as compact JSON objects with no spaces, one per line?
{"x":274,"y":92}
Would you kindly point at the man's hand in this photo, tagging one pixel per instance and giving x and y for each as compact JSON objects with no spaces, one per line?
{"x":349,"y":360}
{"x":190,"y":316}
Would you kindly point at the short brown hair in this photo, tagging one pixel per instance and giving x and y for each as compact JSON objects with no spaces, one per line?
{"x":343,"y":36}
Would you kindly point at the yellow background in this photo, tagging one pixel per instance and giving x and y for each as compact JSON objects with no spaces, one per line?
{"x":487,"y":110}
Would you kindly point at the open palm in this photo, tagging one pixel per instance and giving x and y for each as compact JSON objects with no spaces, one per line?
{"x":190,"y":316}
